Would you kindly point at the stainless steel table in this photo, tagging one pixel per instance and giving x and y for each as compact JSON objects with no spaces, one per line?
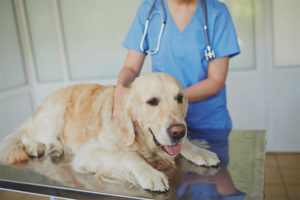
{"x":242,"y":178}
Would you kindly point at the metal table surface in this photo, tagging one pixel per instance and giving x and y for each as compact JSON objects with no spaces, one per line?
{"x":242,"y":178}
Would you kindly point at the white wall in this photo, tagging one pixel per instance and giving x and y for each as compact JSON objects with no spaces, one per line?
{"x":267,"y":96}
{"x":284,"y":75}
{"x":46,"y":45}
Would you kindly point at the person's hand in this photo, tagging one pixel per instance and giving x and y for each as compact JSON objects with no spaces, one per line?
{"x":119,"y":93}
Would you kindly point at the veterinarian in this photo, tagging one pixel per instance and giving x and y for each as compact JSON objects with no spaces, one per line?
{"x":179,"y":46}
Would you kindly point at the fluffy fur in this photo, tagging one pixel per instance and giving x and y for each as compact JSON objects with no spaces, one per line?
{"x":78,"y":120}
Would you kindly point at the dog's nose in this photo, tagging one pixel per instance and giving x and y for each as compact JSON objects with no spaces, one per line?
{"x":176,"y":131}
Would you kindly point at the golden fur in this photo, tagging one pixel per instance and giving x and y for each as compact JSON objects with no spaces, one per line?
{"x":78,"y":120}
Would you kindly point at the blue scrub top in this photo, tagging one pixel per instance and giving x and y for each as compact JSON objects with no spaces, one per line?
{"x":181,"y":54}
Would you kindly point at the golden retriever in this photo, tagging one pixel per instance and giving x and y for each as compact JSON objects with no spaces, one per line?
{"x":145,"y":139}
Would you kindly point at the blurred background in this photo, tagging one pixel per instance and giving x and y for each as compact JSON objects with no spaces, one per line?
{"x":49,"y":44}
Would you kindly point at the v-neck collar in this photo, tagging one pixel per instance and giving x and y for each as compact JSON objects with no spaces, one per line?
{"x":173,"y":21}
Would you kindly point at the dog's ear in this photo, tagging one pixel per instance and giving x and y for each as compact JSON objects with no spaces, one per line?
{"x":126,"y":121}
{"x":185,"y":105}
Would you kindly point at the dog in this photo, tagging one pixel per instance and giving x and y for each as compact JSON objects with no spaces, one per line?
{"x":135,"y":147}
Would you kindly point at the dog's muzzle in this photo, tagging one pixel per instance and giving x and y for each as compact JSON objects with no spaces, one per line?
{"x":176,"y":133}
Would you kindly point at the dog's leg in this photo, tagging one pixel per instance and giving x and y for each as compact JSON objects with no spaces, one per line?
{"x":35,"y":148}
{"x":198,"y":155}
{"x":40,"y":133}
{"x":129,"y":166}
{"x":145,"y":175}
{"x":37,"y":142}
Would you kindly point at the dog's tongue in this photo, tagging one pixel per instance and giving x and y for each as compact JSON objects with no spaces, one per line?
{"x":173,"y":149}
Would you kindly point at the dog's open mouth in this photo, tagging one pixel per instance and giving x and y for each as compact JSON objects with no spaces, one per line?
{"x":172,"y":149}
{"x":169,"y":149}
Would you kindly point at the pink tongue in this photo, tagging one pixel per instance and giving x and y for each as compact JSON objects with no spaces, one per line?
{"x":173,"y":149}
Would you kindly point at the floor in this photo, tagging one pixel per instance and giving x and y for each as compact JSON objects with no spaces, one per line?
{"x":282,"y":179}
{"x":282,"y":176}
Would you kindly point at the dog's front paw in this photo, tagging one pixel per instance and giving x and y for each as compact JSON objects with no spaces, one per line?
{"x":212,"y":159}
{"x":206,"y":158}
{"x":154,"y":181}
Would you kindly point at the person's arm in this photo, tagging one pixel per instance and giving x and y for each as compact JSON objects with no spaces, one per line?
{"x":131,"y":69}
{"x":213,"y":84}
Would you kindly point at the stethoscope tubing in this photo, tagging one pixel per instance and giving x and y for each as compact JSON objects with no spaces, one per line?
{"x":209,"y":53}
{"x":161,"y":28}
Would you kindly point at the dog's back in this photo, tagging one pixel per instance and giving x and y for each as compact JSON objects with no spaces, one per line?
{"x":88,"y":109}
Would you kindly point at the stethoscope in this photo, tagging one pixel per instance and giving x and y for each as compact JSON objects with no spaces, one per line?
{"x":209,"y":53}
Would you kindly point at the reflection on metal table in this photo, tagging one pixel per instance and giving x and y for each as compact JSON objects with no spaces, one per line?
{"x":240,"y":178}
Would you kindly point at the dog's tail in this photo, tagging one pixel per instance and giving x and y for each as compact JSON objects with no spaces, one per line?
{"x":12,"y":150}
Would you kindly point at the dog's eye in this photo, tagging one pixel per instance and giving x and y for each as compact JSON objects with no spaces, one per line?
{"x":179,"y":98}
{"x":153,"y":102}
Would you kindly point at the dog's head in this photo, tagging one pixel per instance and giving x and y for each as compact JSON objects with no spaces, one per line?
{"x":157,"y":105}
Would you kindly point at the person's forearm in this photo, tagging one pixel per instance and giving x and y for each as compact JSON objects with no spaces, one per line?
{"x":126,"y":76}
{"x":131,"y":68}
{"x":213,"y":84}
{"x":202,"y":90}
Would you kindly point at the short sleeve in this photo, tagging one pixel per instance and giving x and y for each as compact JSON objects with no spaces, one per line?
{"x":224,"y":38}
{"x":135,"y":33}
